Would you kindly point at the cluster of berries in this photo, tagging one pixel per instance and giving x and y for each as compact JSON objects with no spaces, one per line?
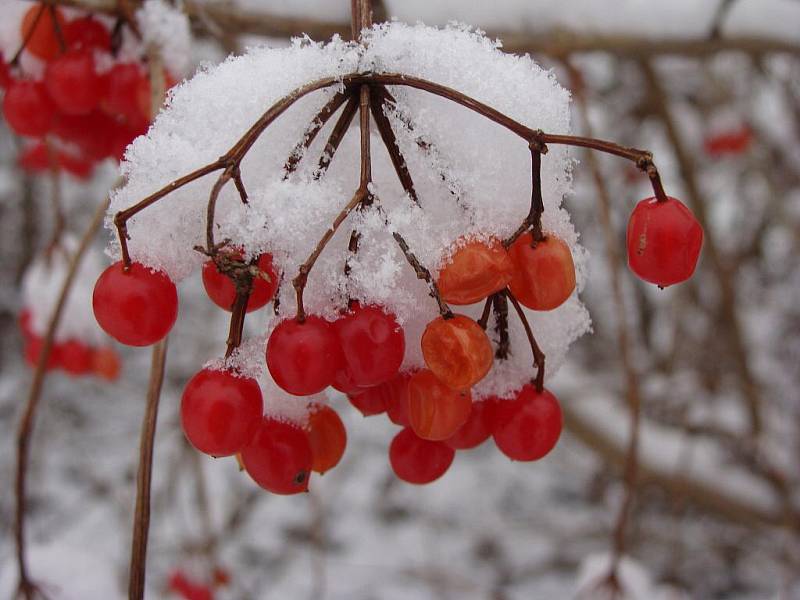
{"x":73,"y":356}
{"x":183,"y":586}
{"x":86,"y":103}
{"x":362,"y":351}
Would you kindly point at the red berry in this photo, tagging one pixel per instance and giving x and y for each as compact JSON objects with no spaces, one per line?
{"x":35,"y":158}
{"x":373,"y":344}
{"x":343,"y":382}
{"x":457,"y":350}
{"x":527,"y":427}
{"x":106,"y":364}
{"x":43,"y":40}
{"x":75,"y":165}
{"x":87,"y":33}
{"x":327,"y":436}
{"x":544,"y":274}
{"x":137,"y":307}
{"x":475,"y":270}
{"x":25,"y":323}
{"x":5,"y":73}
{"x":477,"y":429}
{"x":76,"y":357}
{"x":92,"y":133}
{"x":390,"y":397}
{"x":664,"y":241}
{"x":279,"y":457}
{"x":33,"y":349}
{"x":436,"y":411}
{"x":303,"y":358}
{"x":220,"y":411}
{"x":28,"y":109}
{"x":123,"y":83}
{"x":72,"y":82}
{"x":730,"y":142}
{"x":368,"y":402}
{"x":222,"y":292}
{"x":419,"y":461}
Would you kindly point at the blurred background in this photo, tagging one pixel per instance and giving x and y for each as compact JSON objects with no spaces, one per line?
{"x":708,"y":372}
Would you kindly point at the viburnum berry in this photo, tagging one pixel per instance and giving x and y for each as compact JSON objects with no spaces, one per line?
{"x":72,"y":82}
{"x":123,"y":83}
{"x":457,"y":350}
{"x":527,"y":427}
{"x":327,"y":436}
{"x":369,"y":402}
{"x":91,"y":133}
{"x":28,"y":109}
{"x":390,"y":397}
{"x":436,"y":411}
{"x":372,"y":342}
{"x":5,"y":73}
{"x":39,"y":29}
{"x":25,"y":320}
{"x":87,"y":33}
{"x":419,"y":461}
{"x":222,"y":291}
{"x":106,"y":364}
{"x":343,"y":382}
{"x":544,"y":273}
{"x":221,"y":411}
{"x":76,"y":357}
{"x":478,"y":427}
{"x":475,"y":270}
{"x":664,"y":241}
{"x":279,"y":457}
{"x":303,"y":358}
{"x":729,"y":142}
{"x":137,"y":307}
{"x":33,"y":349}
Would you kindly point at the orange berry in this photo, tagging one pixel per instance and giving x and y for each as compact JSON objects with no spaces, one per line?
{"x":436,"y":411}
{"x":544,"y":275}
{"x":475,"y":270}
{"x":457,"y":350}
{"x":327,"y":436}
{"x":43,"y":41}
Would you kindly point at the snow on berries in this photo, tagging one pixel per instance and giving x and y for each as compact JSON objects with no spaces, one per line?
{"x":363,"y":188}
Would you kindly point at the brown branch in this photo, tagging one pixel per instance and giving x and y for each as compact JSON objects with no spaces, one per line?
{"x":534,"y":217}
{"x":25,"y":428}
{"x":238,"y":313}
{"x":336,"y":136}
{"x":312,"y":130}
{"x":538,"y":355}
{"x":425,"y":274}
{"x":141,"y":522}
{"x":487,"y":309}
{"x":500,"y":305}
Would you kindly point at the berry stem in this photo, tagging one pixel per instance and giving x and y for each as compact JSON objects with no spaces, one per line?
{"x":238,"y":314}
{"x":423,"y":273}
{"x":141,"y":521}
{"x":28,"y":35}
{"x":500,"y":306}
{"x":55,"y":201}
{"x":538,"y":355}
{"x":534,"y":217}
{"x":487,"y":308}
{"x":310,"y":134}
{"x":25,"y":428}
{"x":336,"y":136}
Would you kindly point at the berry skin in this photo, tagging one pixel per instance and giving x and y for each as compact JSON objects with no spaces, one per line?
{"x":527,"y":427}
{"x":43,"y":41}
{"x":91,"y":133}
{"x":369,"y":402}
{"x":435,"y":411}
{"x":221,"y":290}
{"x":419,"y":461}
{"x":664,"y":241}
{"x":477,"y":429}
{"x":544,"y":276}
{"x":303,"y":358}
{"x":476,"y":270}
{"x":76,"y":357}
{"x":327,"y":436}
{"x":457,"y":350}
{"x":87,"y":33}
{"x":373,"y":344}
{"x":28,"y":109}
{"x":123,"y":83}
{"x":72,"y":82}
{"x":5,"y":73}
{"x":279,"y":457}
{"x":33,"y":349}
{"x":343,"y":382}
{"x":106,"y":364}
{"x":137,"y":308}
{"x":220,"y":411}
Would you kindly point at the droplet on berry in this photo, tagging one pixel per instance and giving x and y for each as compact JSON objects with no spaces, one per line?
{"x":664,"y":241}
{"x":303,"y":358}
{"x":436,"y":411}
{"x":544,"y":274}
{"x":373,"y":344}
{"x":327,"y":436}
{"x":475,"y":270}
{"x":279,"y":457}
{"x":222,"y":291}
{"x":137,"y":307}
{"x":221,"y":411}
{"x":419,"y":461}
{"x":457,"y":350}
{"x":527,"y":427}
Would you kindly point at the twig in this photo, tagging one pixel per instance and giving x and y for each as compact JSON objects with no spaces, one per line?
{"x":336,"y":136}
{"x":500,"y":305}
{"x":141,"y":522}
{"x":423,"y":273}
{"x":25,"y":428}
{"x":534,"y":217}
{"x":312,"y":130}
{"x":538,"y":355}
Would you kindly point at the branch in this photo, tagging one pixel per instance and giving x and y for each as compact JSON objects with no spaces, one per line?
{"x":336,"y":136}
{"x":538,"y":355}
{"x":423,"y":273}
{"x":25,"y":428}
{"x":141,"y":522}
{"x":312,"y":130}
